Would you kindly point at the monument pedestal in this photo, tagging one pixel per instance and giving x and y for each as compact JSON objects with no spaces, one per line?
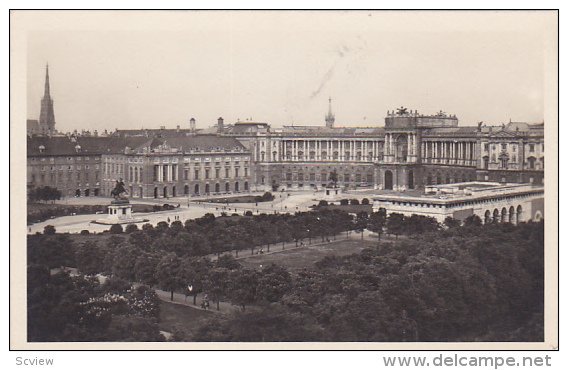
{"x":119,"y":212}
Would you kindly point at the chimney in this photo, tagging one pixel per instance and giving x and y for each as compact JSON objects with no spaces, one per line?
{"x":192,"y":124}
{"x":220,"y":125}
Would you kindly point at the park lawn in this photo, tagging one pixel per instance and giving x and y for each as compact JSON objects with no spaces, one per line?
{"x":304,"y":257}
{"x":177,"y":315}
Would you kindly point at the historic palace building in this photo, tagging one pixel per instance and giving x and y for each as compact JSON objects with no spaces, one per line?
{"x":411,"y":150}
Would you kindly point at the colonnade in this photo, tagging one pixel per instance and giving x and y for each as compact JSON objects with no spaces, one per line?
{"x":331,"y":150}
{"x":449,"y":152}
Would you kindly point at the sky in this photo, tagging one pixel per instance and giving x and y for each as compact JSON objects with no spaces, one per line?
{"x":140,"y":69}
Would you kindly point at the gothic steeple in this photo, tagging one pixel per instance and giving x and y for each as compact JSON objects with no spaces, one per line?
{"x":46,"y":90}
{"x":330,"y":117}
{"x":46,"y":115}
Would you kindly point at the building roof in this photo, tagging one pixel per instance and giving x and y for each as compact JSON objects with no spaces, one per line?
{"x":205,"y":143}
{"x":331,"y":131}
{"x":64,"y":145}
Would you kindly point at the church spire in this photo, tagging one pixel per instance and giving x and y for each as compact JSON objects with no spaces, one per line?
{"x":46,"y":90}
{"x":46,"y":116}
{"x":330,"y":117}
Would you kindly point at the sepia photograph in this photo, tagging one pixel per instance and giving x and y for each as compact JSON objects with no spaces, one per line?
{"x":334,"y":179}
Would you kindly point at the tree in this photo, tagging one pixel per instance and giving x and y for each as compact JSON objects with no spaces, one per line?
{"x":168,"y":273}
{"x":472,"y":221}
{"x":145,"y":268}
{"x":243,"y":287}
{"x":344,"y":202}
{"x":354,"y":202}
{"x":361,"y":222}
{"x":123,"y":261}
{"x":194,"y":272}
{"x":116,"y":229}
{"x":49,"y":230}
{"x":217,"y":283}
{"x":451,"y":222}
{"x":90,"y":258}
{"x":274,"y":281}
{"x":323,"y":203}
{"x":377,"y":222}
{"x":395,"y":224}
{"x":365,"y":201}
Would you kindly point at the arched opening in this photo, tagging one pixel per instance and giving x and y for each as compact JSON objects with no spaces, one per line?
{"x":388,"y":180}
{"x":78,"y":192}
{"x":141,"y":192}
{"x":207,"y":189}
{"x":438,"y":179}
{"x":496,"y":215}
{"x":538,"y":216}
{"x":447,"y":180}
{"x":411,"y":179}
{"x":155,"y":192}
{"x":165,"y":191}
{"x":512,"y":218}
{"x":196,"y":189}
{"x":246,"y":185}
{"x":504,"y":217}
{"x":429,"y":180}
{"x":174,"y":193}
{"x":487,"y":217}
{"x":401,"y":150}
{"x":186,"y":190}
{"x":227,"y":187}
{"x":87,"y":192}
{"x":96,"y":192}
{"x":236,"y":186}
{"x":519,"y":214}
{"x":217,"y":188}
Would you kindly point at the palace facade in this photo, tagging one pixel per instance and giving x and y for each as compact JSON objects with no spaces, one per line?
{"x":411,"y":151}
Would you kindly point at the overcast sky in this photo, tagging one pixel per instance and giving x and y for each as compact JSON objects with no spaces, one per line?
{"x":147,"y":69}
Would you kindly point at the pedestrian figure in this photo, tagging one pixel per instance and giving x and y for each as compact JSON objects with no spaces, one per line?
{"x":168,"y":220}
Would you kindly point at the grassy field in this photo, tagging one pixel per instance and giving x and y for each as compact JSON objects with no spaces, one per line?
{"x":176,"y":315}
{"x":299,"y":258}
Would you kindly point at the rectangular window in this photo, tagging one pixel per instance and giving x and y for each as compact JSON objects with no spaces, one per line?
{"x":196,"y":175}
{"x":246,"y":172}
{"x":236,"y":172}
{"x":217,"y":173}
{"x":503,"y":146}
{"x":186,"y":174}
{"x":531,"y":148}
{"x":206,"y":174}
{"x":227,"y":172}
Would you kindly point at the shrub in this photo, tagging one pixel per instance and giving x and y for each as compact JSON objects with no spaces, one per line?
{"x":267,"y":197}
{"x":354,"y":202}
{"x":84,"y":232}
{"x":116,"y":229}
{"x":49,"y":230}
{"x":323,"y":203}
{"x":344,"y":202}
{"x":248,"y":213}
{"x":131,"y":228}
